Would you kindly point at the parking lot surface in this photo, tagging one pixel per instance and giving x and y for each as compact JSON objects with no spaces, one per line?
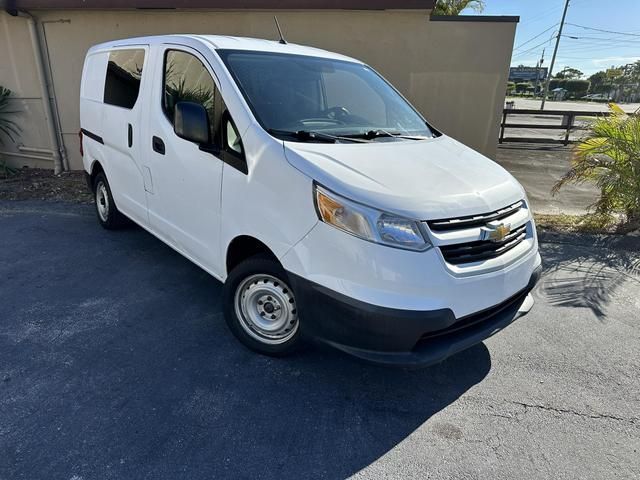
{"x":115,"y":363}
{"x":537,"y":168}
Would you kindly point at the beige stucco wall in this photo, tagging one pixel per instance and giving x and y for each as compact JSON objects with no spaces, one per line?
{"x":454,"y":72}
{"x":18,"y":73}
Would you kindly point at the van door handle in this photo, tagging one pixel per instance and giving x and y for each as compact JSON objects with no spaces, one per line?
{"x":158,"y":145}
{"x":130,"y":136}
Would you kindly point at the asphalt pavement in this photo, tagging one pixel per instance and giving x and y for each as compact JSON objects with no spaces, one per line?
{"x":115,"y":363}
{"x":538,"y":167}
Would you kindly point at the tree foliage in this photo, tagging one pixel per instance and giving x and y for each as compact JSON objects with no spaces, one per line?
{"x":9,"y":129}
{"x":574,"y":88}
{"x":455,"y":7}
{"x":609,"y":156}
{"x":622,"y":82}
{"x":598,"y":82}
{"x":568,"y":73}
{"x":577,"y":88}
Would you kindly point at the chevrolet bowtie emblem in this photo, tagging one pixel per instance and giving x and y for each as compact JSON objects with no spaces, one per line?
{"x":495,"y":231}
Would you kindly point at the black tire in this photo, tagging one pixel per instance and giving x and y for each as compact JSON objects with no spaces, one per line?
{"x":248,"y":276}
{"x":106,"y":210}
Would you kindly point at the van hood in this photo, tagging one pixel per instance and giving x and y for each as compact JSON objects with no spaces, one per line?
{"x":419,"y":179}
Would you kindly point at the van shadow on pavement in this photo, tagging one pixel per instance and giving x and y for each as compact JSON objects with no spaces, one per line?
{"x":115,"y":362}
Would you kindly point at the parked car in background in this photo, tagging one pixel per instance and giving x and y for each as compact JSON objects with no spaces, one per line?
{"x":605,"y":97}
{"x":328,"y":206}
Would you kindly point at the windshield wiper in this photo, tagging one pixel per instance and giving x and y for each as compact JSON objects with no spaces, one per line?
{"x":378,"y":133}
{"x":308,"y":135}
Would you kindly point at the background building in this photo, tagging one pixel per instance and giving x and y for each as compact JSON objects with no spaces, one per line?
{"x":453,"y":69}
{"x":527,"y":74}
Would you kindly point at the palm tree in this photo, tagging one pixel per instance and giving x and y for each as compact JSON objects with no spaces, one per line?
{"x":8,"y":128}
{"x":609,"y":156}
{"x":454,"y":7}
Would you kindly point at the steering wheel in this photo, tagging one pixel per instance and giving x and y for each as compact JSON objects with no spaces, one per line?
{"x":337,"y":113}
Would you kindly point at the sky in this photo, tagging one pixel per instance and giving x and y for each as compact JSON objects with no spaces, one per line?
{"x":592,"y":50}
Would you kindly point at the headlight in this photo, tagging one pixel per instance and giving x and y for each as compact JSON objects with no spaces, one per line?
{"x":368,"y":223}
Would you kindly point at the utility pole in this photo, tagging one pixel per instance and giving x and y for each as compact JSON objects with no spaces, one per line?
{"x":553,"y":59}
{"x":538,"y":67}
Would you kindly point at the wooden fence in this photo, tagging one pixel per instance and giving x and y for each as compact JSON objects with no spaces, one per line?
{"x":567,"y":123}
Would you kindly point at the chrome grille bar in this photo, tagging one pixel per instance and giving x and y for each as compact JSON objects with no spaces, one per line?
{"x":472,"y":221}
{"x":482,"y":249}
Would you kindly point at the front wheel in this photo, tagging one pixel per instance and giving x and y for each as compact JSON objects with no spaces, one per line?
{"x":260,"y":307}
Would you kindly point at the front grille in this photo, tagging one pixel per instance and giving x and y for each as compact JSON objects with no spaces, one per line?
{"x":482,"y":249}
{"x":478,"y":317}
{"x":472,"y":221}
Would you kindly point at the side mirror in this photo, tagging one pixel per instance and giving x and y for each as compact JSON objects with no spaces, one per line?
{"x":191,"y":122}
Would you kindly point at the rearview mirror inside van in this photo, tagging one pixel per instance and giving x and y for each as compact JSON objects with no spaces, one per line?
{"x":191,"y":122}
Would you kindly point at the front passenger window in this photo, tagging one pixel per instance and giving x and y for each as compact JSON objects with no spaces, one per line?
{"x":187,"y":79}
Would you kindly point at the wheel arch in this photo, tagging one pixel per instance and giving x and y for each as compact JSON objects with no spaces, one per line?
{"x":243,"y":247}
{"x":94,"y":170}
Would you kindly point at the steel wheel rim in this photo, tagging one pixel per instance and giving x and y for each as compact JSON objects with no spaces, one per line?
{"x":266,"y":309}
{"x":102,"y":201}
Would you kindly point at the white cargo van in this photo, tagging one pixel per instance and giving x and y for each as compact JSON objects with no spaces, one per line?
{"x":305,"y":182}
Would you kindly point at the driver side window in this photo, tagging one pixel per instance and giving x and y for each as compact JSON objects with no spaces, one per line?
{"x":187,"y":79}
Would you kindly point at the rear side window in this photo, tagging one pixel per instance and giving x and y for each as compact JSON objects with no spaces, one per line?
{"x":186,"y":79}
{"x":124,"y":71}
{"x":93,"y":76}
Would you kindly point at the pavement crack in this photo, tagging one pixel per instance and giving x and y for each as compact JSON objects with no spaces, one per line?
{"x":574,"y":412}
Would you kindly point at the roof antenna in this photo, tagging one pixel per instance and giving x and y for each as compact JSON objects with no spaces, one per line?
{"x":282,"y":40}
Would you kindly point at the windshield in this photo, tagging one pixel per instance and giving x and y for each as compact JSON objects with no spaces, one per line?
{"x":299,"y":94}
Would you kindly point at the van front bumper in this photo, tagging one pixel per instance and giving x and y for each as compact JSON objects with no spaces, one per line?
{"x":391,"y":336}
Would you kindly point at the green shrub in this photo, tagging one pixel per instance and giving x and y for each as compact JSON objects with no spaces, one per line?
{"x":577,"y":88}
{"x":555,"y":83}
{"x":609,"y":156}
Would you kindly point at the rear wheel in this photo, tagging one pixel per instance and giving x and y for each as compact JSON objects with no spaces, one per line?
{"x":260,"y":307}
{"x":108,"y":214}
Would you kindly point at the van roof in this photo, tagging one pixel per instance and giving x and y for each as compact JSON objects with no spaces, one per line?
{"x":225,"y":42}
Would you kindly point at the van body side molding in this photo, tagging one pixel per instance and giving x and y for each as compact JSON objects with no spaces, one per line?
{"x":92,"y":135}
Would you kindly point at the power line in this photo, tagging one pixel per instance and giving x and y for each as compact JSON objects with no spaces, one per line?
{"x":520,"y":54}
{"x":531,"y":49}
{"x":605,"y":31}
{"x":600,"y":39}
{"x":599,"y":34}
{"x":600,"y":43}
{"x":582,"y":45}
{"x":541,"y":16}
{"x":533,"y":38}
